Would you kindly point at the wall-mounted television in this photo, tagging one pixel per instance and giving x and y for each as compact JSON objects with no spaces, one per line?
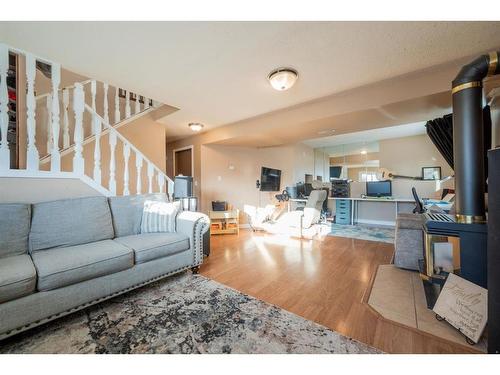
{"x":379,"y":188}
{"x":270,"y":179}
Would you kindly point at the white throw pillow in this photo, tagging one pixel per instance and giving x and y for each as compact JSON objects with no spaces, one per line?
{"x":159,"y":216}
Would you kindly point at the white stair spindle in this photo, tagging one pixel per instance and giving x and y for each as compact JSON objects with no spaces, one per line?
{"x":117,"y":106}
{"x":65,"y":98}
{"x":150,"y":177}
{"x":137,"y":104}
{"x":146,"y":103}
{"x":106,"y":105}
{"x":161,"y":182}
{"x":55,"y":156}
{"x":138,"y":165}
{"x":112,"y":163}
{"x":127,"y":104}
{"x":170,"y":189}
{"x":97,"y":148}
{"x":93,"y":91}
{"x":32,"y":156}
{"x":4,"y":108}
{"x":78,"y":108}
{"x":49,"y":123}
{"x":126,"y":176}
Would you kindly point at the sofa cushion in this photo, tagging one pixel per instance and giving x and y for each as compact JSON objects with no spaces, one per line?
{"x":409,"y":221}
{"x":70,"y":222}
{"x":159,"y":217}
{"x":17,"y":277}
{"x":63,"y":266}
{"x":127,"y":212}
{"x":14,"y":229}
{"x":149,"y":246}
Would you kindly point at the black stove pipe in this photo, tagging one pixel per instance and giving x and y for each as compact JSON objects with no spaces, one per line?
{"x":468,"y":144}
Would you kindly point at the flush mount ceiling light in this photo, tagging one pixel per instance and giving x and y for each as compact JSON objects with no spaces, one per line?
{"x":364,"y":152}
{"x":195,"y":126}
{"x":283,"y":78}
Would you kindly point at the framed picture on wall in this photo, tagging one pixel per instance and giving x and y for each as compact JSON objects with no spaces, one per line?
{"x":431,"y":173}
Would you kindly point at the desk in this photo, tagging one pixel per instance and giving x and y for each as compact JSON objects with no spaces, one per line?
{"x":355,"y":205}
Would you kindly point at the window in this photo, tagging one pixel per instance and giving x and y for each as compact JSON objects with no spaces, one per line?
{"x":367,"y":176}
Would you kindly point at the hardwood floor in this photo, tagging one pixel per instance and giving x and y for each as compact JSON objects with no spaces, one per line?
{"x":323,"y":280}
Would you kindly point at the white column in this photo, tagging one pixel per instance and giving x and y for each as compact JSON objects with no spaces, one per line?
{"x":65,"y":98}
{"x":48,"y":108}
{"x":78,"y":108}
{"x":4,"y":108}
{"x":55,"y":156}
{"x":93,"y":91}
{"x":106,"y":105}
{"x":146,"y":103}
{"x":151,"y":172}
{"x":112,"y":163}
{"x":161,"y":181}
{"x":137,"y":104}
{"x":96,"y":122}
{"x":138,"y":165}
{"x":127,"y":104}
{"x":117,"y":106}
{"x":126,"y":177}
{"x":32,"y":157}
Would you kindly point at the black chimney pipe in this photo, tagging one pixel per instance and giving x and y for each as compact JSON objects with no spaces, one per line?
{"x":468,"y":144}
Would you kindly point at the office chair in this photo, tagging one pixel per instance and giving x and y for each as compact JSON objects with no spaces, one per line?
{"x":419,"y":208}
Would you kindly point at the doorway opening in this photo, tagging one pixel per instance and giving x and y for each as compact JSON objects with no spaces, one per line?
{"x":184,"y":161}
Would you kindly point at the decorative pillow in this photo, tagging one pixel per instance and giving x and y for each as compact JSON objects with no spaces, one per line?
{"x":159,"y":216}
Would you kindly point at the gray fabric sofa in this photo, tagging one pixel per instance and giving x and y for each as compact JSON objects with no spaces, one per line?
{"x":409,"y":241}
{"x":59,"y":257}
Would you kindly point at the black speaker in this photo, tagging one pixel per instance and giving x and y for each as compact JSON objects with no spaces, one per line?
{"x":494,"y":251}
{"x":183,"y":187}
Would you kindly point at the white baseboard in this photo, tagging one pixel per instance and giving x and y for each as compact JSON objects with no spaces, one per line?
{"x":376,"y":222}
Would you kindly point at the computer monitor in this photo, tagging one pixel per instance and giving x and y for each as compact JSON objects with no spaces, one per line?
{"x":379,"y":188}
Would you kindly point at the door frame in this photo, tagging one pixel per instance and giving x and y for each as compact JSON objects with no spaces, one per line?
{"x":191,"y":147}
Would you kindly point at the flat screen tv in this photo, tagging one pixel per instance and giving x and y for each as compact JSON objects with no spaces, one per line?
{"x":270,"y":179}
{"x":379,"y":188}
{"x":335,"y":172}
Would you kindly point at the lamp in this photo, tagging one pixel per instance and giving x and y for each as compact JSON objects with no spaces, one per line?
{"x":283,"y":78}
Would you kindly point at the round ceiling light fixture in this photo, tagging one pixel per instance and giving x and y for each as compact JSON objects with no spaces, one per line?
{"x":283,"y":78}
{"x":195,"y":126}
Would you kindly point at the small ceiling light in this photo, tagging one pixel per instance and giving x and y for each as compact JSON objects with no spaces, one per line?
{"x":195,"y":126}
{"x":283,"y":78}
{"x":364,"y":152}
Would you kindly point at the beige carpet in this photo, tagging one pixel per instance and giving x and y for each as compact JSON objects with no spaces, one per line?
{"x":398,"y":295}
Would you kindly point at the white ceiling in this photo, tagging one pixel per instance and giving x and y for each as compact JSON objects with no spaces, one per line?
{"x":215,"y":72}
{"x":332,"y":143}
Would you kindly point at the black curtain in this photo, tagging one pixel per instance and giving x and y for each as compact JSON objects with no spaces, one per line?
{"x":440,"y":131}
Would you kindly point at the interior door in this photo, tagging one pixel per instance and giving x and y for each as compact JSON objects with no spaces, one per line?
{"x":183,"y":162}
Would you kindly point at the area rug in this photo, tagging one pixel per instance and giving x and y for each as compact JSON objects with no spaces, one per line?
{"x":183,"y":314}
{"x":363,"y":232}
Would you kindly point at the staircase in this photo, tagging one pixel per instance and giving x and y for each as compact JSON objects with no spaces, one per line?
{"x":70,"y":132}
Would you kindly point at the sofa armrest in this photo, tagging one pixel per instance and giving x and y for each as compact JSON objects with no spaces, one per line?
{"x":193,"y":225}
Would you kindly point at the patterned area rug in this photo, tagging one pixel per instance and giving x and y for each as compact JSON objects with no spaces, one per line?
{"x":363,"y":232}
{"x":183,"y":314}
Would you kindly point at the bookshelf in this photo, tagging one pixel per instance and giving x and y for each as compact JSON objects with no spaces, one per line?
{"x":224,"y":222}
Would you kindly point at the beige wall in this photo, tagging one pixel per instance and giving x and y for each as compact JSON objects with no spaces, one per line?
{"x":406,"y":156}
{"x":229,"y":173}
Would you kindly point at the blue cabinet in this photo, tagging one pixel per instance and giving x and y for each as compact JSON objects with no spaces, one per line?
{"x":343,"y":211}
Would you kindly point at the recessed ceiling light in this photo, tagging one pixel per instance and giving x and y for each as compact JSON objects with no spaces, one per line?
{"x":195,"y":126}
{"x":283,"y":78}
{"x":328,"y":131}
{"x":364,"y":152}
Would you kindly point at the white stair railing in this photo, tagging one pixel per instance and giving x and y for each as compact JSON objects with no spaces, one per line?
{"x":77,"y":117}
